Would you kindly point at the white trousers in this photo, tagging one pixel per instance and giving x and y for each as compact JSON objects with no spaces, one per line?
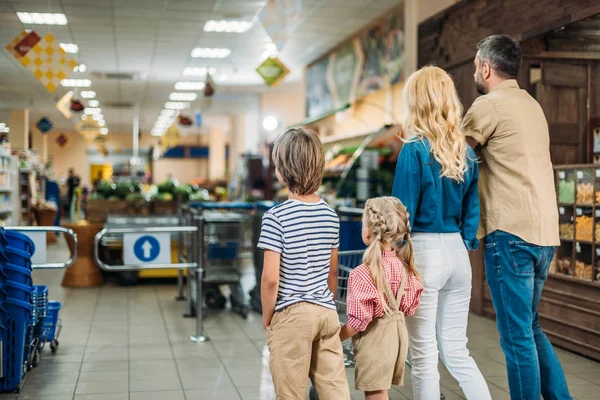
{"x":441,"y":321}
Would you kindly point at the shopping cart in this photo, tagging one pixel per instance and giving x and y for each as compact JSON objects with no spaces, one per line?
{"x":222,"y":240}
{"x":347,"y":261}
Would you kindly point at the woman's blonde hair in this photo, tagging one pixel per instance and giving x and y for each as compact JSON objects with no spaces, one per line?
{"x":387,"y":220}
{"x":434,"y":112}
{"x":299,"y":157}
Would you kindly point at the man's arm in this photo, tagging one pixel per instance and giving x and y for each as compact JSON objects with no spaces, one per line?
{"x":480,"y":122}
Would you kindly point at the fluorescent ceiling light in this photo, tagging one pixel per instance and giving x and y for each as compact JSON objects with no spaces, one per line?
{"x":76,"y":83}
{"x":207,"y":52}
{"x":270,"y":123}
{"x":189,"y":96}
{"x":165,"y":118}
{"x":104,"y":131}
{"x":198,"y":71}
{"x":80,"y":68}
{"x":70,"y":47}
{"x":93,"y":103}
{"x":101,"y":123}
{"x":98,"y":117}
{"x":222,"y":78}
{"x":92,"y":111}
{"x":88,"y":94}
{"x":4,"y":128}
{"x":227,"y":26}
{"x":42,"y":18}
{"x":270,"y":51}
{"x":169,"y":113}
{"x":176,"y":105}
{"x":189,"y":85}
{"x":157,"y":132}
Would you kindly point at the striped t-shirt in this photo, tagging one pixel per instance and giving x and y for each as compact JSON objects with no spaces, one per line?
{"x":304,"y":234}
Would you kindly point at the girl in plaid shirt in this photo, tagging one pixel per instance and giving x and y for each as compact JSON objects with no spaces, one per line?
{"x":381,"y":292}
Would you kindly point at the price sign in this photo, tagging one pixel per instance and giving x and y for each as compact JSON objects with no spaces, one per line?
{"x":579,"y":174}
{"x":579,"y":212}
{"x":598,"y":252}
{"x":561,"y":175}
{"x":578,"y":247}
{"x":598,"y":173}
{"x":561,"y":210}
{"x":597,"y":213}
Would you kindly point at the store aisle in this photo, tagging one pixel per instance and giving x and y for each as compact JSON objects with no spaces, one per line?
{"x":131,"y":343}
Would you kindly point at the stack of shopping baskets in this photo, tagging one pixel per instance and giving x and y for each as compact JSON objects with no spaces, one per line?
{"x":22,"y":308}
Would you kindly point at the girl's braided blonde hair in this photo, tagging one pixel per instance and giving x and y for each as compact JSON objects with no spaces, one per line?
{"x":387,"y":220}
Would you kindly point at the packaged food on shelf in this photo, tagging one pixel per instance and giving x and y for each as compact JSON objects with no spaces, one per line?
{"x":563,"y":265}
{"x":584,"y":227}
{"x":585,"y":193}
{"x":598,"y":197}
{"x":566,"y":192}
{"x":567,"y":231}
{"x":584,"y":271}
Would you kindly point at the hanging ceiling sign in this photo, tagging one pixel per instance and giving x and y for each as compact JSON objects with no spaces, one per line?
{"x":279,"y":18}
{"x":170,"y":138}
{"x":88,"y":128}
{"x":22,"y":44}
{"x":48,"y":62}
{"x":272,"y":71}
{"x":44,"y":125}
{"x":64,"y":105}
{"x":62,"y":140}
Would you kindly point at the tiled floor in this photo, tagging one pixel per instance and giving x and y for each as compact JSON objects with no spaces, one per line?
{"x":131,"y":343}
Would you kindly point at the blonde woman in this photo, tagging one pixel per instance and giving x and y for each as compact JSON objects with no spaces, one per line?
{"x":436,"y":179}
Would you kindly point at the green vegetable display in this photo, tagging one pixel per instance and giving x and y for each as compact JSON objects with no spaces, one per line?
{"x":168,"y":186}
{"x":566,"y":192}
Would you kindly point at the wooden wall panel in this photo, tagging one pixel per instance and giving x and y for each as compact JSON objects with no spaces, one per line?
{"x":450,"y":38}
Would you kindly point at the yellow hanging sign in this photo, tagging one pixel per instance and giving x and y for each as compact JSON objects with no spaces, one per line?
{"x":170,"y":138}
{"x":48,"y":62}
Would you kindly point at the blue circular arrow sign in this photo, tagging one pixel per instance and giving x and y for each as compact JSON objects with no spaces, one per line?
{"x":146,"y":248}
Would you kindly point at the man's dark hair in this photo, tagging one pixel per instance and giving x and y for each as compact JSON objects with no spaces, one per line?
{"x":503,"y":54}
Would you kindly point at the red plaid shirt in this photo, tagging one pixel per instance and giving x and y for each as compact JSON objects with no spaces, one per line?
{"x":363,"y":303}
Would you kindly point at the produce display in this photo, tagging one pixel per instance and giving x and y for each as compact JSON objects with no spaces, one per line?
{"x":563,"y":265}
{"x":566,"y":192}
{"x":567,"y":231}
{"x":585,"y":193}
{"x":584,"y":227}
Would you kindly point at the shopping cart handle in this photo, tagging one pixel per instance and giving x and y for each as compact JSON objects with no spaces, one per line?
{"x":232,"y":205}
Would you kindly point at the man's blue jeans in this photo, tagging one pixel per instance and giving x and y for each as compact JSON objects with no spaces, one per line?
{"x":516,"y":272}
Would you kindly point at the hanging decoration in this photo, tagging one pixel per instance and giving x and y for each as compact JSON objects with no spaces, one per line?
{"x":64,"y":104}
{"x":272,"y":71}
{"x":44,"y":125}
{"x":48,"y":62}
{"x":170,"y":138}
{"x":22,"y":44}
{"x":62,"y":140}
{"x":280,"y":18}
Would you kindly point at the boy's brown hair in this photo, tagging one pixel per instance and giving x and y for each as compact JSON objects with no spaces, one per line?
{"x":299,"y":157}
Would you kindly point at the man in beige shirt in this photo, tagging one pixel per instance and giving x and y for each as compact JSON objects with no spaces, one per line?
{"x":519,"y":216}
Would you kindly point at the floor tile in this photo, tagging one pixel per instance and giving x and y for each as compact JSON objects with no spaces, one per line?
{"x":106,"y":376}
{"x":113,"y":396}
{"x":155,"y":385}
{"x":45,"y":397}
{"x":102,"y":387}
{"x":171,"y":395}
{"x":585,"y":392}
{"x":35,"y":389}
{"x":104,"y":366}
{"x":206,"y":394}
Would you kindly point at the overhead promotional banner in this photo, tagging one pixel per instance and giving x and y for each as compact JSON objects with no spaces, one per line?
{"x":279,"y":18}
{"x":170,"y":138}
{"x":44,"y":125}
{"x":88,"y":128}
{"x":48,"y":62}
{"x":64,"y":105}
{"x":22,"y":44}
{"x":272,"y":71}
{"x":362,"y":65}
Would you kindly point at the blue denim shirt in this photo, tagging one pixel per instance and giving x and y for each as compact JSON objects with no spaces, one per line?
{"x":437,"y":204}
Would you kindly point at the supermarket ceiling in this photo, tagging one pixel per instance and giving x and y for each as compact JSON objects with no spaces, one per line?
{"x":152,"y":40}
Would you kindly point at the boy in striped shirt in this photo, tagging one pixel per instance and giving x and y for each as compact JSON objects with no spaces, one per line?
{"x":300,"y":238}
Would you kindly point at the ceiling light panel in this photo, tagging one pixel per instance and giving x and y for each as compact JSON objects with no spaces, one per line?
{"x":176,"y":105}
{"x":42,"y":18}
{"x":88,"y":94}
{"x":198,"y":71}
{"x":183,"y":96}
{"x":71,"y":48}
{"x":169,"y":113}
{"x":92,"y":111}
{"x":227,"y":26}
{"x":80,"y":68}
{"x":93,"y":103}
{"x":209,"y":52}
{"x":189,"y":85}
{"x":76,"y":83}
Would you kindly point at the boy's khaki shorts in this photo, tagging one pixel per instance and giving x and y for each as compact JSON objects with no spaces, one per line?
{"x":304,"y":342}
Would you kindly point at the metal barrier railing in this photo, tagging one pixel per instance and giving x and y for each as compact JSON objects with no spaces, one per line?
{"x":189,"y":261}
{"x":55,"y":229}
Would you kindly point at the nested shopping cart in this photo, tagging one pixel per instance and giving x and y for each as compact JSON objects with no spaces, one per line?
{"x":347,"y":261}
{"x":223,"y":237}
